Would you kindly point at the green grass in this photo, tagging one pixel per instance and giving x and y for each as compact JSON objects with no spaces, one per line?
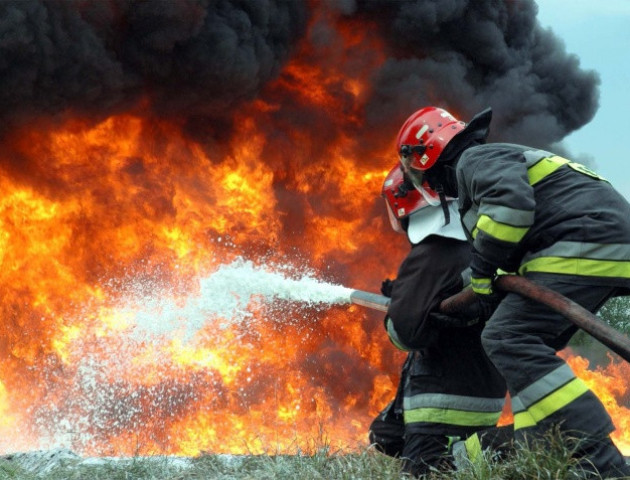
{"x":551,"y":459}
{"x":322,"y":465}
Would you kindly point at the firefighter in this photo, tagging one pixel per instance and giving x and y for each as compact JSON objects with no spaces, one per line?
{"x":448,"y":388}
{"x":532,"y":213}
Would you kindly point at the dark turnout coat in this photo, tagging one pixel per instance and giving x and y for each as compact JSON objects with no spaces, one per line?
{"x":450,"y":387}
{"x":542,"y":216}
{"x":533,"y":212}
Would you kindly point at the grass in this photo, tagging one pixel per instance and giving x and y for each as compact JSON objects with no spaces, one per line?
{"x":323,"y":465}
{"x":550,"y":459}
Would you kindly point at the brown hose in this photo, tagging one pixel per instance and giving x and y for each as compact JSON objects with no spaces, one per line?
{"x":590,"y":323}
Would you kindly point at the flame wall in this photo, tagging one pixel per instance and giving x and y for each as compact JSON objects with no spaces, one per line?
{"x":146,"y":144}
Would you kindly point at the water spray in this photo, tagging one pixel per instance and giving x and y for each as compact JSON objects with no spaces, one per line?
{"x":227,"y":296}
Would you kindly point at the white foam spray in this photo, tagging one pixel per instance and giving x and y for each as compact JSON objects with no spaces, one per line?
{"x":226,"y":295}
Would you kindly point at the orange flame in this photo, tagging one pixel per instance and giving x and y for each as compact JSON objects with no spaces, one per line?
{"x":101,"y":222}
{"x":610,"y":384}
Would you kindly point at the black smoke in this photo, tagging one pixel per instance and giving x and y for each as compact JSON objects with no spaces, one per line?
{"x":182,"y":58}
{"x":202,"y":59}
{"x":467,"y":55}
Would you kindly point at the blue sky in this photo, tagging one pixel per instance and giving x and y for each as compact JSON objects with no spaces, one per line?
{"x":598,"y":33}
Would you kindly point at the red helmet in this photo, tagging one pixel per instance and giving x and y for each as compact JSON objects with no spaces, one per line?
{"x":401,"y":198}
{"x":424,"y":136}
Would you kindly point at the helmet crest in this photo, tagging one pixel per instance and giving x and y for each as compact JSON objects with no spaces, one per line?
{"x":424,"y":136}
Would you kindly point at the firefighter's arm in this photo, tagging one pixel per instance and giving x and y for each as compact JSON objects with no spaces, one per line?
{"x":431,"y":272}
{"x":483,"y":275}
{"x":387,"y":288}
{"x":497,"y":183}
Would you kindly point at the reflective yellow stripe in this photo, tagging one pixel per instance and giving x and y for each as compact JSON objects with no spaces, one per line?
{"x":544,"y":167}
{"x":451,"y":417}
{"x":548,"y":165}
{"x":473,"y":447}
{"x":523,"y":420}
{"x":577,"y":266}
{"x":550,"y":404}
{"x":558,"y":399}
{"x":542,"y":387}
{"x":481,"y":285}
{"x":504,"y":232}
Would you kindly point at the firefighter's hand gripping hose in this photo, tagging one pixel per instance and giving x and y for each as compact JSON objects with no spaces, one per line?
{"x":482,"y":282}
{"x":587,"y":321}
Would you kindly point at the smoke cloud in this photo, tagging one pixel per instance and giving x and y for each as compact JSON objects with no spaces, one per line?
{"x":202,"y":59}
{"x":95,"y":58}
{"x":468,"y":55}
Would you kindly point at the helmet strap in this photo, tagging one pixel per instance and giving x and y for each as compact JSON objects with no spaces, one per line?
{"x":447,"y":213}
{"x":438,"y":177}
{"x":442,"y":177}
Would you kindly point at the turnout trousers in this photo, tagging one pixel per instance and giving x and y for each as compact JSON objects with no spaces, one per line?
{"x":422,"y":452}
{"x":521,"y":339}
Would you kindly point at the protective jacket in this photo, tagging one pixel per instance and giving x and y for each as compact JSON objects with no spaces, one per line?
{"x":534,"y":212}
{"x":547,"y":218}
{"x":450,"y":386}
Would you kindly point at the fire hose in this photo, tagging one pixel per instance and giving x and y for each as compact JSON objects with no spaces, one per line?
{"x":578,"y":315}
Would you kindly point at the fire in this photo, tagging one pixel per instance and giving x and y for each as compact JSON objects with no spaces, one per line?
{"x":106,"y":222}
{"x":610,"y":384}
{"x":108,"y":218}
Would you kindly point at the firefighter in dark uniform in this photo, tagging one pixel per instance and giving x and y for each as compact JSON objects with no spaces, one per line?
{"x":532,"y":213}
{"x":448,"y":389}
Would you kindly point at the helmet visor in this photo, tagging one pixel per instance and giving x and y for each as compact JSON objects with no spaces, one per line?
{"x":418,"y":180}
{"x":393,"y":220}
{"x":429,"y":195}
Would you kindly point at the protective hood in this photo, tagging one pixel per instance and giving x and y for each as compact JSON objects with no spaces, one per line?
{"x":430,"y":221}
{"x":476,"y":131}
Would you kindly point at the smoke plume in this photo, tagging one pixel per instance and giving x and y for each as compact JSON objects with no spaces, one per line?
{"x":185,"y":58}
{"x":202,"y":59}
{"x":469,"y":55}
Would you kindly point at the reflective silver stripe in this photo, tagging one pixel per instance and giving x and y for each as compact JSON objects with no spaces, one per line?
{"x":507,"y":215}
{"x":460,"y":455}
{"x":455,"y":402}
{"x":534,"y":156}
{"x":469,"y":219}
{"x":545,"y":385}
{"x":594,"y":251}
{"x":466,"y":274}
{"x":517,"y":405}
{"x":451,"y":416}
{"x":550,"y":404}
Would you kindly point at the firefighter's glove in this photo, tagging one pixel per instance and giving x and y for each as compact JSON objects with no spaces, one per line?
{"x":482,"y":280}
{"x":386,"y":287}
